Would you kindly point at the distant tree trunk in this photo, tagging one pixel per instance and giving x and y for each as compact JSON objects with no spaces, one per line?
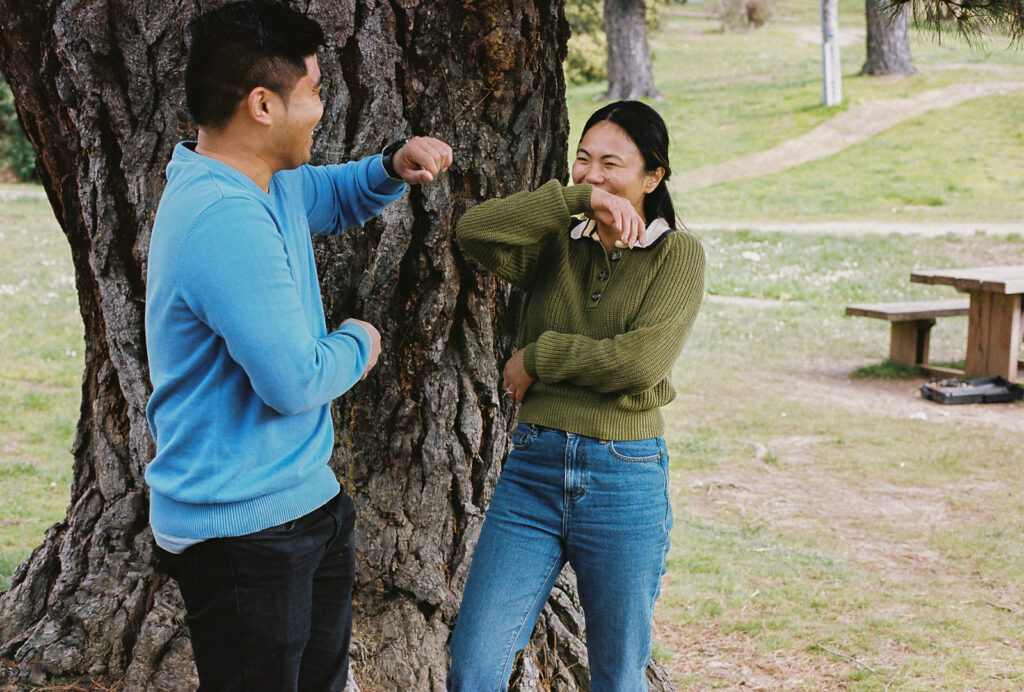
{"x":888,"y":46}
{"x":629,"y":60}
{"x":98,"y":85}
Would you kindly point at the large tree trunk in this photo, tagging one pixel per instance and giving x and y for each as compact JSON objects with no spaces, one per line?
{"x":888,"y":46}
{"x":98,"y":85}
{"x":629,"y":60}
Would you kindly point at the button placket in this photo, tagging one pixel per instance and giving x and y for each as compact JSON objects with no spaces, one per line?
{"x":599,"y":282}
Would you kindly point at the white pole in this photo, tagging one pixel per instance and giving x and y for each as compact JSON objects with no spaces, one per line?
{"x":831,"y":73}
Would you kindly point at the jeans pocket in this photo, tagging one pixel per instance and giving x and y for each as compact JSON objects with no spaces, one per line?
{"x":522,"y":437}
{"x":636,"y":451}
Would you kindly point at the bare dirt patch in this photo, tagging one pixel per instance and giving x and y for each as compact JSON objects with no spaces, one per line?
{"x":875,"y":526}
{"x":732,"y":661}
{"x":831,"y":385}
{"x":847,"y":37}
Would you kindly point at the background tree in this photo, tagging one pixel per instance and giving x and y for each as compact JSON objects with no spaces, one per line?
{"x":888,"y":45}
{"x":969,"y":18}
{"x":98,"y":86}
{"x":629,"y":59}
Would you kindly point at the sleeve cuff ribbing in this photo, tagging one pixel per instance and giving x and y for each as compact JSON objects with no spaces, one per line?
{"x":530,"y":360}
{"x":379,"y":180}
{"x":577,"y":198}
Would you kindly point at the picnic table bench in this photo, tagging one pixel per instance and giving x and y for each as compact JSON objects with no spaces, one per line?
{"x":912,"y":323}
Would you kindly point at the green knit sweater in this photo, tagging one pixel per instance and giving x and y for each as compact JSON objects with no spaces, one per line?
{"x":601,"y":330}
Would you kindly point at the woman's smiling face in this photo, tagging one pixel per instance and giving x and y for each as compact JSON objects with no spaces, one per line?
{"x":608,"y":159}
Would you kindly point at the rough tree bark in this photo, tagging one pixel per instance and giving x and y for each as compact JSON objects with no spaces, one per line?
{"x":419,"y":444}
{"x":888,"y":46}
{"x":629,"y":60}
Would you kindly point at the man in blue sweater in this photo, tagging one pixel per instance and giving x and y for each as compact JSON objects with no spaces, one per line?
{"x":247,"y":515}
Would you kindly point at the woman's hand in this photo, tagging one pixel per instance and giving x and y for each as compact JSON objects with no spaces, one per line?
{"x":515,"y":379}
{"x":620,"y":214}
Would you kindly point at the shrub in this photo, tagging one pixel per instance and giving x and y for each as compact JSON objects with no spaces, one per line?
{"x":586,"y":58}
{"x":16,"y":152}
{"x":740,"y":15}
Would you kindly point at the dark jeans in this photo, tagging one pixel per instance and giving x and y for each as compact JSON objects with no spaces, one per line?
{"x":272,"y":610}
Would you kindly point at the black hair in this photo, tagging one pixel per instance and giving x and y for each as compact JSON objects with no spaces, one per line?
{"x":239,"y":46}
{"x":647,"y":130}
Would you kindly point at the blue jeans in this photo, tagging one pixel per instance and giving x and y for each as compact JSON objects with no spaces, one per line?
{"x":602,"y":506}
{"x":272,"y":610}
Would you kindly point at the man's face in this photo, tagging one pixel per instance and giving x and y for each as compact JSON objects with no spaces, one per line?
{"x":292,"y":134}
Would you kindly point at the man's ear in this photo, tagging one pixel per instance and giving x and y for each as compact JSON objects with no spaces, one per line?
{"x":653,"y":179}
{"x":258,"y":106}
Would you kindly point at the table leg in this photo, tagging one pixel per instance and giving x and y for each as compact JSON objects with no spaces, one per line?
{"x":908,"y":342}
{"x":993,"y":335}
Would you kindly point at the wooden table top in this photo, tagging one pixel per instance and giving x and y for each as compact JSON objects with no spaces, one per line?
{"x":1005,"y":279}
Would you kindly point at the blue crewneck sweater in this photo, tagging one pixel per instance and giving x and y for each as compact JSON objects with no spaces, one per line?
{"x":242,"y":364}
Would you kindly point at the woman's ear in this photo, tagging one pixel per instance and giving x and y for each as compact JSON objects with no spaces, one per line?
{"x":653,"y":179}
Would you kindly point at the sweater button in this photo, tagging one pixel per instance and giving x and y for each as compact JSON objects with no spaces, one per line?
{"x":615,"y":255}
{"x":595,"y":296}
{"x":602,"y":275}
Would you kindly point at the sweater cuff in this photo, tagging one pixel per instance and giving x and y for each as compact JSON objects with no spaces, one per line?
{"x":529,"y":360}
{"x":359,"y":333}
{"x":577,"y":198}
{"x":379,"y":180}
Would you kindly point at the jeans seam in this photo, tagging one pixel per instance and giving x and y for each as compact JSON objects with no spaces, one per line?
{"x":242,"y":662}
{"x":565,"y":486}
{"x":511,"y":653}
{"x":665,"y":473}
{"x":634,"y":460}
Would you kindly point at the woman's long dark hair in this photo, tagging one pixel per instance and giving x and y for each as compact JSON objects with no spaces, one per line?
{"x":644,"y":126}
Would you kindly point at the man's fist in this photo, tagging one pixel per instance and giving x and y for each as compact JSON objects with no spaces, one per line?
{"x":421,"y":160}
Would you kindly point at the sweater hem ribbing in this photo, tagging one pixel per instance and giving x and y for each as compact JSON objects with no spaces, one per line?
{"x":221,"y":520}
{"x":601,"y":419}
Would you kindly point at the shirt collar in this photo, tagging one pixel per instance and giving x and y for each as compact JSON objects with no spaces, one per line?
{"x":587,"y":228}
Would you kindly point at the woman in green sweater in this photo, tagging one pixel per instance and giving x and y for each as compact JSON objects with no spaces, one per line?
{"x":610,"y":299}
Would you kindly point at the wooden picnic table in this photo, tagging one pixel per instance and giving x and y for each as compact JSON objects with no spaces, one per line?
{"x":994,"y":317}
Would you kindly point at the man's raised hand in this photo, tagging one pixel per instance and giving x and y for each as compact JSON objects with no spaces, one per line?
{"x":421,"y":160}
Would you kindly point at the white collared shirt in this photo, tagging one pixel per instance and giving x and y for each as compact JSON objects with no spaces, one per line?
{"x":588,"y":228}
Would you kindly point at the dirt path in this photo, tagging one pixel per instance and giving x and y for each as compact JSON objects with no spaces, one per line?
{"x":925,"y":228}
{"x":858,"y":123}
{"x":22,"y":192}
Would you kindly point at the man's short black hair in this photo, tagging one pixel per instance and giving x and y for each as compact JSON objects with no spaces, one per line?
{"x":240,"y":46}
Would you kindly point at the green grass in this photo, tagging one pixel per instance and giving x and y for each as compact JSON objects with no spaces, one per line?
{"x":41,"y":360}
{"x":828,"y":545}
{"x":791,"y":579}
{"x":731,"y":95}
{"x":935,"y":167}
